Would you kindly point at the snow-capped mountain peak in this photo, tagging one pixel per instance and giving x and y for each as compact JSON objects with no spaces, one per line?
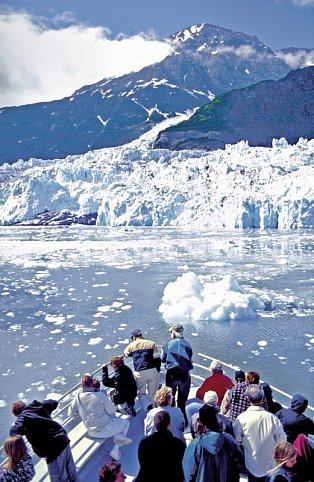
{"x":211,"y":60}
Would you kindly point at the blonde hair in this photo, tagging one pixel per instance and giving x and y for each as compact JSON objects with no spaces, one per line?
{"x":15,"y":448}
{"x":283,"y":452}
{"x":163,"y":396}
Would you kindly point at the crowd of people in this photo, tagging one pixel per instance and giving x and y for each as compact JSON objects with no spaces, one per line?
{"x":235,"y":426}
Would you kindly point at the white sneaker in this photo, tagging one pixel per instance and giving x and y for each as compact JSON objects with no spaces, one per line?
{"x":115,"y":453}
{"x":121,"y":440}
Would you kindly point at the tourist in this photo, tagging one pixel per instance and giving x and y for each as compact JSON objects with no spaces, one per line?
{"x":146,"y":362}
{"x":111,"y":472}
{"x":192,"y":412}
{"x":163,"y":400}
{"x":237,"y":400}
{"x":239,"y":377}
{"x":285,"y":456}
{"x":212,"y":455}
{"x":46,"y":436}
{"x":304,"y":446}
{"x":293,"y":420}
{"x":177,"y":356}
{"x":123,"y":383}
{"x":272,"y":405}
{"x":218,"y":382}
{"x":99,"y":416}
{"x":160,"y":454}
{"x":258,"y":431}
{"x":19,"y":465}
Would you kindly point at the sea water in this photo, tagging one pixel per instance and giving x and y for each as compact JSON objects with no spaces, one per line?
{"x":70,"y":296}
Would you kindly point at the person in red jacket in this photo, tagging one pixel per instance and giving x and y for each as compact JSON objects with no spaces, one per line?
{"x":217,"y":382}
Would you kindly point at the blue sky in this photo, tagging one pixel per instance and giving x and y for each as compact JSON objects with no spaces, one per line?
{"x":48,"y":49}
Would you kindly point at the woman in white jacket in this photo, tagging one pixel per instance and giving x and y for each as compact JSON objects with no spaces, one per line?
{"x":99,"y":416}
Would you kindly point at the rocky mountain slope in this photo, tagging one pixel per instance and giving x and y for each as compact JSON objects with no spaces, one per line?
{"x":259,"y":113}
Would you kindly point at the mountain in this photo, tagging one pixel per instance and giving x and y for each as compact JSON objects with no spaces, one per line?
{"x":134,"y":185}
{"x":206,"y":60}
{"x":259,"y":113}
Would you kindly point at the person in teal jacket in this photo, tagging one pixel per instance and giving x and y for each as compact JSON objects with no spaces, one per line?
{"x":212,"y":455}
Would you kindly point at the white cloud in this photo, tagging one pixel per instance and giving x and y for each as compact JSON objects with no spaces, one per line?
{"x":298,"y":58}
{"x":303,"y":3}
{"x":244,"y":51}
{"x":38,"y":63}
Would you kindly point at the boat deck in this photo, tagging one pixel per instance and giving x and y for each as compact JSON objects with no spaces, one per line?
{"x":90,"y":453}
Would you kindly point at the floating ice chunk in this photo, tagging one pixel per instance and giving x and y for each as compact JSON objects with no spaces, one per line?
{"x":95,"y":341}
{"x":188,"y":298}
{"x":239,"y":343}
{"x":28,"y":365}
{"x":126,"y":307}
{"x":22,"y":348}
{"x":58,"y":380}
{"x":54,"y":396}
{"x":262,"y":343}
{"x":104,"y":308}
{"x":15,"y":327}
{"x":55,"y":319}
{"x":3,"y":403}
{"x":116,"y":304}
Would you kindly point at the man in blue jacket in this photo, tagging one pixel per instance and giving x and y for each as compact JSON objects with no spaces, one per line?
{"x":177,"y":356}
{"x":47,"y":437}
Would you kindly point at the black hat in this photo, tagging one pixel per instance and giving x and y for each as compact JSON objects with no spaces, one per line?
{"x":239,"y":374}
{"x":136,"y":332}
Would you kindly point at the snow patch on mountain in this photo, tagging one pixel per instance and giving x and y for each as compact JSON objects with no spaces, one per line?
{"x":238,"y":187}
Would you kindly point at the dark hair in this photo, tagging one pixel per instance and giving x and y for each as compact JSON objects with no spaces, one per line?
{"x":208,"y":419}
{"x":109,"y":471}
{"x":18,"y":407}
{"x":96,"y":383}
{"x":161,"y":421}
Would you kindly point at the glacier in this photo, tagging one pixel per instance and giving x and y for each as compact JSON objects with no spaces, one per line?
{"x":135,"y":185}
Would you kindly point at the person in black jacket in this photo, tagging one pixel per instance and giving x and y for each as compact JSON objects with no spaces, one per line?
{"x":293,"y":420}
{"x":47,"y":437}
{"x":123,"y":383}
{"x":160,"y":454}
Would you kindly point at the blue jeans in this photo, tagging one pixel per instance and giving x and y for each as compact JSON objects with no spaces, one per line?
{"x":179,"y":382}
{"x":62,"y":469}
